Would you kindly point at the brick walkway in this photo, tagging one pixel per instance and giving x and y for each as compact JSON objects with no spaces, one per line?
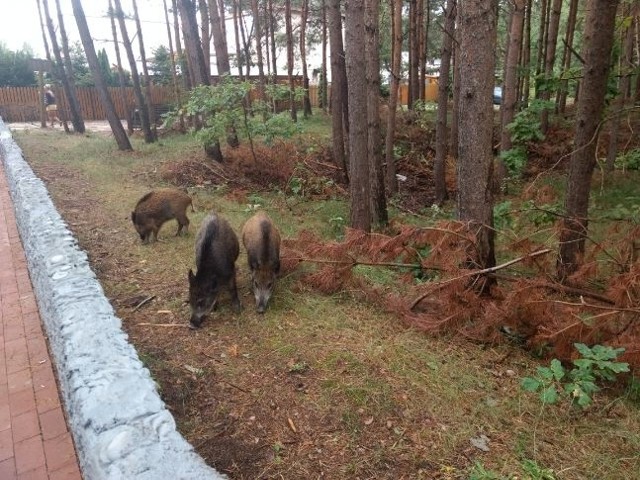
{"x":35,"y":442}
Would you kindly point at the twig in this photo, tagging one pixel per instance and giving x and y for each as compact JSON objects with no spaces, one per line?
{"x":478,"y":272}
{"x":578,"y":291}
{"x":143,"y":302}
{"x":357,"y":262}
{"x":235,"y":386}
{"x":147,"y":324}
{"x":589,"y":305}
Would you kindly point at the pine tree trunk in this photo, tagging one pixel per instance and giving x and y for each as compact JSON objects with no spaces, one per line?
{"x":205,"y":23}
{"x":219,"y":41}
{"x":396,"y":57}
{"x":454,"y":140}
{"x":324,"y":83}
{"x":414,"y":54}
{"x":258,"y":34}
{"x":424,"y":50}
{"x":550,"y":58}
{"x":43,"y":112}
{"x":174,"y":76}
{"x":509,"y":91}
{"x":135,"y":79}
{"x":597,"y":44}
{"x":526,"y":58}
{"x":272,"y":40}
{"x":66,"y":78}
{"x":624,"y":80}
{"x":561,"y":100}
{"x":306,"y":102}
{"x":378,"y":207}
{"x":443,"y":102}
{"x":92,"y":59}
{"x":121,"y":78}
{"x":478,"y":29}
{"x":338,"y":77}
{"x":236,"y":34}
{"x":192,"y":43}
{"x":289,"y":30}
{"x":184,"y":67}
{"x":360,"y":217}
{"x":541,"y":43}
{"x":145,"y":73}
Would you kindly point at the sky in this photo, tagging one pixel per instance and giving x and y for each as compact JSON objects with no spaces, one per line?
{"x":20,"y":25}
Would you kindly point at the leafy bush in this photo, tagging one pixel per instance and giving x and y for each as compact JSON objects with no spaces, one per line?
{"x":630,"y":160}
{"x":578,"y":385}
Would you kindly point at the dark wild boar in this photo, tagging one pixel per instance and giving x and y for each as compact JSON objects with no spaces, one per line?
{"x":217,"y":250}
{"x":157,"y":207}
{"x":261,"y":239}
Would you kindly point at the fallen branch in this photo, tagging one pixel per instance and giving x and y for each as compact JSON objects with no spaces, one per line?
{"x":143,"y":302}
{"x":476,"y":273}
{"x":589,"y":305}
{"x":357,"y":262}
{"x":147,"y":324}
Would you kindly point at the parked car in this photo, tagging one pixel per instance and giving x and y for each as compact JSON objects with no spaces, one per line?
{"x":497,"y":95}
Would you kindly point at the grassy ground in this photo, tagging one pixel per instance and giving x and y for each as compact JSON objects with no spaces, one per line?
{"x":320,"y":386}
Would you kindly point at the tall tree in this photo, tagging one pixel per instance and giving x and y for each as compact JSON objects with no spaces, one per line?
{"x":550,"y":58}
{"x":478,"y":29}
{"x":145,"y":71}
{"x":443,"y":102}
{"x":257,"y":28}
{"x":184,"y":68}
{"x":135,"y":79}
{"x":561,"y":99}
{"x":358,"y":152}
{"x":205,"y":23}
{"x":273,"y":26}
{"x":289,"y":30}
{"x":43,"y":113}
{"x":425,"y":22}
{"x":306,"y":101}
{"x":510,"y":86}
{"x":525,"y":63}
{"x":396,"y":57}
{"x":596,"y":52}
{"x":121,"y":78}
{"x":414,"y":53}
{"x":174,"y":76}
{"x":219,"y":40}
{"x":379,"y":215}
{"x":236,"y":32}
{"x":66,"y":78}
{"x":116,"y":126}
{"x":324,"y":83}
{"x":338,"y":86}
{"x":192,"y":43}
{"x":541,"y":43}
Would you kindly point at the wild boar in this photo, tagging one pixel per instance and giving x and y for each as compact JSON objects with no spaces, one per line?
{"x":261,"y":239}
{"x":217,"y":250}
{"x":157,"y":207}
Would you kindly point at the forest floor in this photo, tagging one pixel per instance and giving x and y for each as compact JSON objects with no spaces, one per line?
{"x":324,"y":385}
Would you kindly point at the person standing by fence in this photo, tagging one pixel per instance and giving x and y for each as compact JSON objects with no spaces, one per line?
{"x":50,"y":105}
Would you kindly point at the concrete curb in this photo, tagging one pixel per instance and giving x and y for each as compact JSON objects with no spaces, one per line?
{"x":121,"y":427}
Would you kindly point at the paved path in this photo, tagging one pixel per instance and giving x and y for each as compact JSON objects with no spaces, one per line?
{"x":35,"y":442}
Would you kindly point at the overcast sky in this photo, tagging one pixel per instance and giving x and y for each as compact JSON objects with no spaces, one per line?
{"x":19,"y":24}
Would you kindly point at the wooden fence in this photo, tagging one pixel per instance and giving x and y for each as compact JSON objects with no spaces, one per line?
{"x":22,"y":104}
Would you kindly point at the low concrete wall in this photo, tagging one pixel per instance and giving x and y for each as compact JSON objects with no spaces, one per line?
{"x":121,"y":427}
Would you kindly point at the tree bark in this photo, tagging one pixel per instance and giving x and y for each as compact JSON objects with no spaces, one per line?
{"x":205,"y":34}
{"x":414,"y":54}
{"x":121,"y":78}
{"x":510,"y":87}
{"x":598,"y":41}
{"x":145,"y":73}
{"x":272,"y":41}
{"x":43,"y":112}
{"x":541,"y":43}
{"x":184,"y":67}
{"x":396,"y":57}
{"x":195,"y":55}
{"x":360,"y":217}
{"x":454,"y":140}
{"x":236,"y":33}
{"x":550,"y":58}
{"x":135,"y":79}
{"x":101,"y":85}
{"x":378,"y":206}
{"x":324,"y":83}
{"x":338,"y":78}
{"x":174,"y":76}
{"x":526,"y":58}
{"x":443,"y":103}
{"x":561,"y":99}
{"x":258,"y":34}
{"x":625,"y":70}
{"x":66,"y":78}
{"x":478,"y":29}
{"x":219,"y":41}
{"x":306,"y":102}
{"x":289,"y":30}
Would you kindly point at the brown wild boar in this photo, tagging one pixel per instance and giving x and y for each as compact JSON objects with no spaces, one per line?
{"x":217,"y":250}
{"x":157,"y":207}
{"x":261,"y":239}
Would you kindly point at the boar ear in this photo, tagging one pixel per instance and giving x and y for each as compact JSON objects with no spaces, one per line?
{"x":192,"y":277}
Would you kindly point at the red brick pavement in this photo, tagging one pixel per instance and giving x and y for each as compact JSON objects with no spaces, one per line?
{"x":35,"y":442}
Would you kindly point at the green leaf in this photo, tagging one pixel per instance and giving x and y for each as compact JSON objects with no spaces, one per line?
{"x":530,"y":384}
{"x":582,"y":349}
{"x":549,"y":395}
{"x":557,"y":369}
{"x":546,"y":373}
